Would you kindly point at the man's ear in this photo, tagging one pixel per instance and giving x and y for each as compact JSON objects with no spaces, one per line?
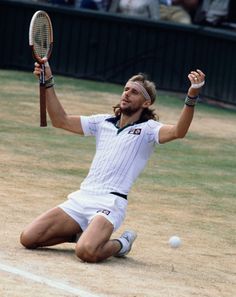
{"x":146,"y":103}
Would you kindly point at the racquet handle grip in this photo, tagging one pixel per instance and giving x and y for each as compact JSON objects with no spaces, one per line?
{"x":43,"y":113}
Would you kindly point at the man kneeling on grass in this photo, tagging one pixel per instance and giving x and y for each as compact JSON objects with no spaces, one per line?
{"x":124,"y":143}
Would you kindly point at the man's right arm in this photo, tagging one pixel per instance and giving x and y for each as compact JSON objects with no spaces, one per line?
{"x":58,"y":116}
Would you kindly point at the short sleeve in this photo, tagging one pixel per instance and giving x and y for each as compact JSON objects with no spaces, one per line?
{"x":154,"y":128}
{"x":91,"y":124}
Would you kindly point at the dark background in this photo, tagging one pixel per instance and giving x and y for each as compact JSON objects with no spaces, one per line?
{"x":112,"y":48}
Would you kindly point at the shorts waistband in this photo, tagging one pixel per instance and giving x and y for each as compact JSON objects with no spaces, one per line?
{"x":119,"y":194}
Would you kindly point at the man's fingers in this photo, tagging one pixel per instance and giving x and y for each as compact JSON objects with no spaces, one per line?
{"x":197,"y":75}
{"x":197,"y":79}
{"x":200,"y":72}
{"x":37,"y":69}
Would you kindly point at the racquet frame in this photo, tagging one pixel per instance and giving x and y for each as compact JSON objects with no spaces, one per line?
{"x":41,"y":61}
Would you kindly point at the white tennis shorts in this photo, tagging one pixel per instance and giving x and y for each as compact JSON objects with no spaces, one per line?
{"x":83,"y":206}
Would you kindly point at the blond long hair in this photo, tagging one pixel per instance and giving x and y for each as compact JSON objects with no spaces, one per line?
{"x":150,"y":87}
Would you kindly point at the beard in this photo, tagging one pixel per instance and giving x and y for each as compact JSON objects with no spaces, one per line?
{"x":129,"y":111}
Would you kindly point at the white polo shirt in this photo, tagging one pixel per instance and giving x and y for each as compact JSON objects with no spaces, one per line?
{"x":121,"y":154}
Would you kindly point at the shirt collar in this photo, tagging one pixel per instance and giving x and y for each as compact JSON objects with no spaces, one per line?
{"x":114,"y":120}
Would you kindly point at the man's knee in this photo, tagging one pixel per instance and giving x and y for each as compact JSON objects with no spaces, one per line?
{"x":87,"y":252}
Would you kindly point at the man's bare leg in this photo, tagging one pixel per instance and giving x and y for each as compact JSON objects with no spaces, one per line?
{"x":50,"y":228}
{"x":95,"y":245}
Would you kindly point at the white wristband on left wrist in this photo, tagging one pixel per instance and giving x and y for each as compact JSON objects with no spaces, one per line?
{"x":198,"y":86}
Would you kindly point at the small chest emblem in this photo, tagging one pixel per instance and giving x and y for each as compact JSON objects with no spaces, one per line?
{"x":136,"y":131}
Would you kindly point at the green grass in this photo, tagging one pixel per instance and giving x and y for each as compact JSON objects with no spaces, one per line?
{"x":197,"y":174}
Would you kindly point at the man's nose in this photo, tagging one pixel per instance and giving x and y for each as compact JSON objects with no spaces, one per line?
{"x":127,"y":92}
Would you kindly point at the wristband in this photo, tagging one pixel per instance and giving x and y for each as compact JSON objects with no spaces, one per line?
{"x":198,"y":86}
{"x":49,"y":83}
{"x":191,"y":101}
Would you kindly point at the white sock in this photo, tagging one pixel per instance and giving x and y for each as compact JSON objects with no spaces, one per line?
{"x":124,"y":245}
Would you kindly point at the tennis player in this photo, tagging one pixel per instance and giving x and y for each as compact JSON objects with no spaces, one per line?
{"x":124,"y":143}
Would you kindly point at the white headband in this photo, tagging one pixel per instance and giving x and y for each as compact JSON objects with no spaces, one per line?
{"x":140,"y":88}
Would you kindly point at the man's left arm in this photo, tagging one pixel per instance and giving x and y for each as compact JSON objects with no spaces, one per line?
{"x":179,"y":130}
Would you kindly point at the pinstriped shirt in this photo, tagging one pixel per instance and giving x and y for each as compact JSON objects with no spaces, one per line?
{"x":121,"y":154}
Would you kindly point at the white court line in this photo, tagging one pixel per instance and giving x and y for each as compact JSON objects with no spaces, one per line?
{"x":51,"y":283}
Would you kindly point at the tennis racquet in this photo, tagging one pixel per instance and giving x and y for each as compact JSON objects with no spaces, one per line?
{"x":41,"y":42}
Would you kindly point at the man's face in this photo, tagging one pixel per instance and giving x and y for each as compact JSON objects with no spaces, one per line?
{"x":132,"y":100}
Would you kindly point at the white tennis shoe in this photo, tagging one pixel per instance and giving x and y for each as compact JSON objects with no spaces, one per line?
{"x":126,"y":239}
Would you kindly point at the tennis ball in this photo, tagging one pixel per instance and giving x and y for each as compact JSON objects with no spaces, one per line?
{"x":174,"y":242}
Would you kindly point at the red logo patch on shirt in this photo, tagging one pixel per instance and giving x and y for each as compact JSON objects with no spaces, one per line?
{"x":136,"y":131}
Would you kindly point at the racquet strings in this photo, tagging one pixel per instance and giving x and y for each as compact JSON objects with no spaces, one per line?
{"x":41,"y":36}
